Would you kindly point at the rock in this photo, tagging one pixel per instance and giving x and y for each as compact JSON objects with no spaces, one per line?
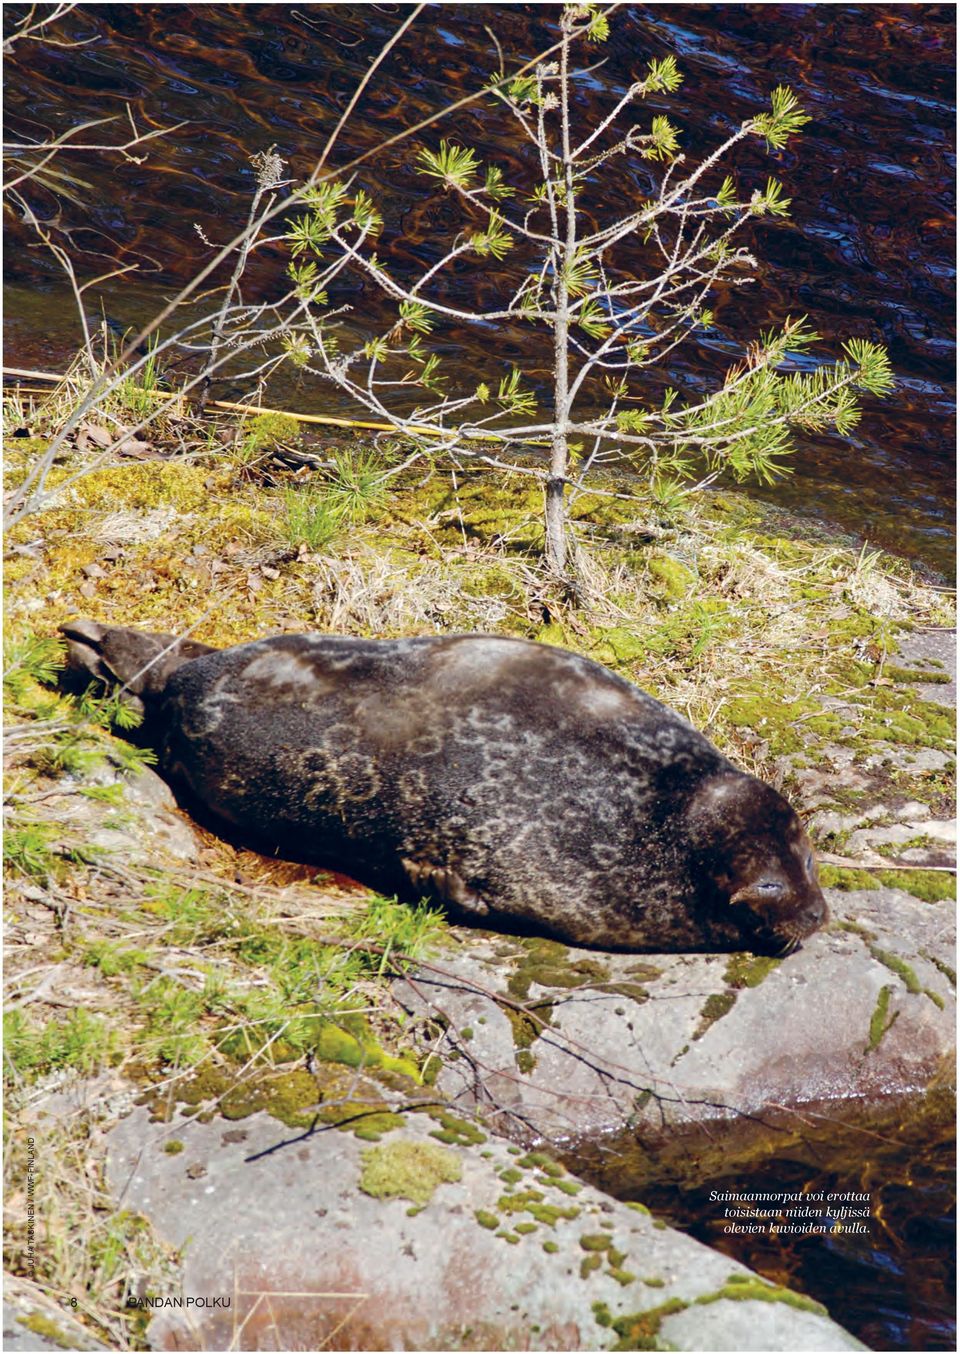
{"x":597,"y":1044}
{"x":867,"y":844}
{"x":936,"y":650}
{"x":31,"y":1322}
{"x":146,"y":827}
{"x":321,"y":1241}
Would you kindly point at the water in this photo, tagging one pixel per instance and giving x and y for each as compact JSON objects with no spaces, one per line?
{"x":893,"y":1286}
{"x":868,"y":251}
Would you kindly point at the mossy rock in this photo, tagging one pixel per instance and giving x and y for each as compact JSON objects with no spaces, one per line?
{"x":455,"y":1130}
{"x":641,"y":1330}
{"x":716,"y":1006}
{"x":289,"y":1097}
{"x":749,"y":970}
{"x":930,"y":886}
{"x":548,"y":964}
{"x":749,"y":1288}
{"x":357,"y":1049}
{"x":364,"y":1123}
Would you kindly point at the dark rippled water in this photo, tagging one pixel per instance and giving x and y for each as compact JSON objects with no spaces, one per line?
{"x":868,"y":252}
{"x":893,"y":1286}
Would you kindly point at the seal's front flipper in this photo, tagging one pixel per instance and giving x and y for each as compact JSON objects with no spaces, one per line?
{"x":445,"y":884}
{"x":138,"y":660}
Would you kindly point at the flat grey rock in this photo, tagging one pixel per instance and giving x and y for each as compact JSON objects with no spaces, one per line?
{"x":32,"y":1323}
{"x":936,"y":650}
{"x":863,"y":1011}
{"x":147,"y":829}
{"x":283,"y":1249}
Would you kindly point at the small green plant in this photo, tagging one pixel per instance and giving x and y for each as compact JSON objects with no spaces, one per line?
{"x":111,"y":712}
{"x":81,"y":1041}
{"x":609,"y":319}
{"x":312,"y":517}
{"x":28,"y":660}
{"x":358,"y":487}
{"x":28,"y":850}
{"x":402,"y":929}
{"x":193,"y":915}
{"x":173,"y":1031}
{"x":111,"y":958}
{"x":139,"y":392}
{"x":15,"y":414}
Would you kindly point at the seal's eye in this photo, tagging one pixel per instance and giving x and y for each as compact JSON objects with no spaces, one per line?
{"x":769,"y":888}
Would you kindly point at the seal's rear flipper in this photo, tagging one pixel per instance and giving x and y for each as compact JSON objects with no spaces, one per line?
{"x":138,"y":660}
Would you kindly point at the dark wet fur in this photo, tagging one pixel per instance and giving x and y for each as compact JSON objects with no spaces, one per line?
{"x":522,"y":785}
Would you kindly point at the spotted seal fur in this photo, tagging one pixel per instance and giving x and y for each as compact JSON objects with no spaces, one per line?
{"x":509,"y":779}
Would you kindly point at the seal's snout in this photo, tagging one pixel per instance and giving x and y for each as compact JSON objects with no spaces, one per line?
{"x":816,"y":913}
{"x":84,"y":632}
{"x":86,"y":661}
{"x":140,"y":661}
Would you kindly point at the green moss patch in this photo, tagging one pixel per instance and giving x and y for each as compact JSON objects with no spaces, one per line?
{"x":746,"y":1288}
{"x":356,"y":1049}
{"x":142,"y":485}
{"x":542,"y":1161}
{"x":716,"y":1006}
{"x":846,"y":880}
{"x":286,"y":1096}
{"x":671,"y":578}
{"x":265,"y":431}
{"x":455,"y":1130}
{"x":930,"y":886}
{"x":749,"y":970}
{"x":407,"y":1169}
{"x":548,"y":964}
{"x":929,"y":676}
{"x":47,"y":1329}
{"x":879,"y":1024}
{"x":531,"y":1201}
{"x":641,"y":1330}
{"x":905,"y":972}
{"x":367,"y":1124}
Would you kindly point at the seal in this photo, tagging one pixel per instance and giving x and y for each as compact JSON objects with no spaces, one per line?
{"x":515,"y":782}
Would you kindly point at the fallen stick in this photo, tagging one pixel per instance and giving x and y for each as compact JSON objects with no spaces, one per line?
{"x":326,"y":419}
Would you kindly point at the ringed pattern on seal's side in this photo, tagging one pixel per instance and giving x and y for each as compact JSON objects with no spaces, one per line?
{"x":508,"y":779}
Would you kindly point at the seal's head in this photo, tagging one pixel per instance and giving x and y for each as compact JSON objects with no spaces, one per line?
{"x":139,"y":662}
{"x":751,"y":854}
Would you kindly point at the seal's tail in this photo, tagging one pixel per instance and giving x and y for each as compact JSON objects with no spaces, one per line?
{"x":139,"y":661}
